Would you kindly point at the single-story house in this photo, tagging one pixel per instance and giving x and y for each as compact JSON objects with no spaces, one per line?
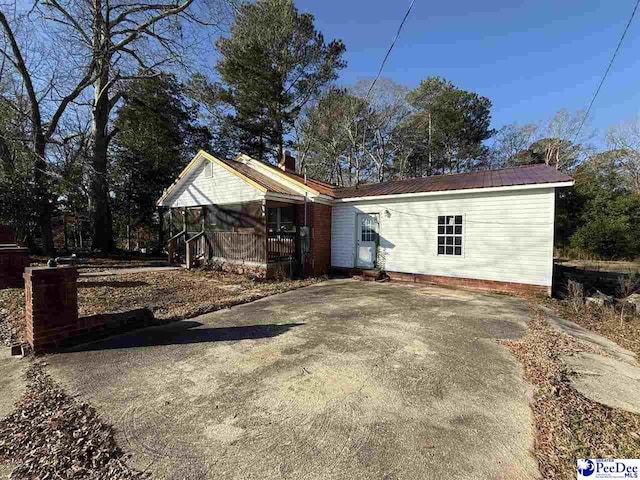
{"x":490,"y":229}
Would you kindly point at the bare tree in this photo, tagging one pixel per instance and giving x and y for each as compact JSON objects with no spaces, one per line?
{"x":388,"y":108}
{"x":122,"y":41}
{"x":625,"y":139}
{"x":565,"y":144}
{"x":330,"y":139}
{"x":43,"y":123}
{"x":510,"y":141}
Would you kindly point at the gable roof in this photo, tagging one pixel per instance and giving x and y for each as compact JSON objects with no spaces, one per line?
{"x":257,"y":180}
{"x":505,"y":177}
{"x":539,"y":174}
{"x":320,"y":186}
{"x":265,"y":181}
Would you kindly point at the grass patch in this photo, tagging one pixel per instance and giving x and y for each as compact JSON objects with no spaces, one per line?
{"x":568,"y":425}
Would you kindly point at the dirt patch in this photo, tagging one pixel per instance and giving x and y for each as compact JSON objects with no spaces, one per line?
{"x":569,"y":425}
{"x":172,"y":294}
{"x":51,"y":435}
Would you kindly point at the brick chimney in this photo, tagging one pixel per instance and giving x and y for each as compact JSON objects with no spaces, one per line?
{"x":287,"y":162}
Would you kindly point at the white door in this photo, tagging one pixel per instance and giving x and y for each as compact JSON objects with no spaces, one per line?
{"x":366,"y":240}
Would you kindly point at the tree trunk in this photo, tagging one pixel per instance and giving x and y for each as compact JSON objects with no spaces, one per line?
{"x":102,"y":228}
{"x":43,"y":200}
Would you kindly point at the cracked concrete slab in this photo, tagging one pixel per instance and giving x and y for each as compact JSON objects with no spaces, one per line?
{"x":587,"y":336}
{"x":605,"y":380}
{"x":343,"y":379}
{"x":611,"y":378}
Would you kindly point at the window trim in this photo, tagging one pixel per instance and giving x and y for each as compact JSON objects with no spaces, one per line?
{"x":462,"y":235}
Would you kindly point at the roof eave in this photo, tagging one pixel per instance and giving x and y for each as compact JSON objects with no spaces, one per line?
{"x":456,"y":192}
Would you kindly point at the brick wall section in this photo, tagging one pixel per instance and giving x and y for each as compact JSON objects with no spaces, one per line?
{"x":51,"y":305}
{"x":51,"y":313}
{"x":472,"y":283}
{"x":321,"y":239}
{"x":13,"y":261}
{"x":319,"y":219}
{"x":7,"y":235}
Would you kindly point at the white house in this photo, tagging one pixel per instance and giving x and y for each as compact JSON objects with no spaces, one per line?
{"x":491,"y":229}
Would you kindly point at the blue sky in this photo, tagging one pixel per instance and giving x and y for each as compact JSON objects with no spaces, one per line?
{"x":531,"y":58}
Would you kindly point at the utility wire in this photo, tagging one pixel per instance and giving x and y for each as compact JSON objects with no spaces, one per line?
{"x":393,"y":43}
{"x":624,"y":33}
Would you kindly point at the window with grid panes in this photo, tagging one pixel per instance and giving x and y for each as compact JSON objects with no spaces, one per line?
{"x":368,"y":231}
{"x":450,"y":235}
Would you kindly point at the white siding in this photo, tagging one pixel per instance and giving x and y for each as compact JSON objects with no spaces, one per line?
{"x":508,"y":236}
{"x":223,"y":187}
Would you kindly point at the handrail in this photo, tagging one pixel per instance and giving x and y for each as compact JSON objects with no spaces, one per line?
{"x":178,"y":235}
{"x":196,"y":236}
{"x":191,"y":244}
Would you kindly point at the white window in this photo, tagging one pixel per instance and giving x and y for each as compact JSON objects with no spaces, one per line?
{"x":208,"y":170}
{"x":450,"y":234}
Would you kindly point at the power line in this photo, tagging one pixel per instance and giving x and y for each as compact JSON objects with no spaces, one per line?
{"x":624,"y":33}
{"x":384,"y":61}
{"x":393,"y":43}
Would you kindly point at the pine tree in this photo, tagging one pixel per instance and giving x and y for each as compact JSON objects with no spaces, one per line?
{"x":271,"y":65}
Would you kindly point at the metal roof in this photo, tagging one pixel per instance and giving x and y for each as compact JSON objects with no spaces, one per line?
{"x":506,"y":177}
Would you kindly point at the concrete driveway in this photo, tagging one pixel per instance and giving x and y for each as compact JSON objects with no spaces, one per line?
{"x":344,"y":379}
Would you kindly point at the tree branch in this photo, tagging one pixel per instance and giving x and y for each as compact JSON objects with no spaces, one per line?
{"x":153,"y":20}
{"x":20,"y":65}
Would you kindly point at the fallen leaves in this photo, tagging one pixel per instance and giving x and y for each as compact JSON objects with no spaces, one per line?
{"x":568,"y":425}
{"x":51,"y":435}
{"x":12,"y":325}
{"x":172,"y":294}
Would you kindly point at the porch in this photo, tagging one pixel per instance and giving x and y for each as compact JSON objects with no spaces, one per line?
{"x":263,"y":238}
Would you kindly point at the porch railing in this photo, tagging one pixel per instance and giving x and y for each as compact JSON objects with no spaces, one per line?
{"x":249,"y":247}
{"x":234,"y":246}
{"x":177,"y":247}
{"x":281,"y":246}
{"x":196,"y":248}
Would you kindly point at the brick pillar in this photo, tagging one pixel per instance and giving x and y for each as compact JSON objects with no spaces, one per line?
{"x":319,"y":219}
{"x":51,"y":305}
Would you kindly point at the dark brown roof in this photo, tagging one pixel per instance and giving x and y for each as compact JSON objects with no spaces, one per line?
{"x":262,"y":180}
{"x":319,"y":186}
{"x":526,"y":175}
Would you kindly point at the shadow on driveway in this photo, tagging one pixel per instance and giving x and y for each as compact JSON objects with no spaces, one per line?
{"x":187,"y":332}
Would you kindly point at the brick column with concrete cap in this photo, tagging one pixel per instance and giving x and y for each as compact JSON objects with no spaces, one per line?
{"x":51,"y":305}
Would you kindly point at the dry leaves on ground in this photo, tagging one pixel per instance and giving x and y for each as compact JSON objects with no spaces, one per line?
{"x":172,"y":294}
{"x":620,"y":326}
{"x":51,"y":435}
{"x":12,"y":325}
{"x":175,"y":294}
{"x":568,"y":425}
